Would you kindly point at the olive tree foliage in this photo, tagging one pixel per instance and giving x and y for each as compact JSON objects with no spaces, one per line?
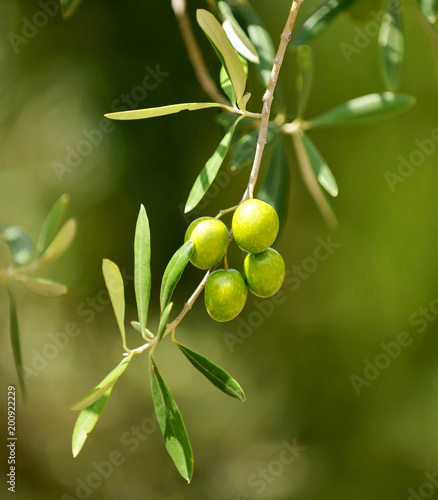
{"x":239,"y":38}
{"x":27,"y":259}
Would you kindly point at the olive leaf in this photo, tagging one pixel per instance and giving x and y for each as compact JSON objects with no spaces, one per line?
{"x":210,"y":170}
{"x":392,"y":44}
{"x":173,"y":273}
{"x":19,"y":243}
{"x":51,"y":224}
{"x":60,"y":243}
{"x":275,"y":187}
{"x":216,"y":375}
{"x":318,"y":19}
{"x":86,"y":421}
{"x":171,"y":424}
{"x":364,"y":109}
{"x":115,"y":286}
{"x":15,"y":341}
{"x":226,"y":52}
{"x":237,"y":35}
{"x":226,"y":84}
{"x":104,"y":385}
{"x":429,"y":8}
{"x":304,"y":77}
{"x":140,"y":114}
{"x":142,"y":267}
{"x":43,"y":287}
{"x":322,"y":170}
{"x":163,"y":322}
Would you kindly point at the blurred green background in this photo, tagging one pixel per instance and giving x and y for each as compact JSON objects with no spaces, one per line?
{"x":296,"y":364}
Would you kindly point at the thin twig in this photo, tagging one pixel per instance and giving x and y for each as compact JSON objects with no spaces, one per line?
{"x":194,"y":53}
{"x":269,"y":97}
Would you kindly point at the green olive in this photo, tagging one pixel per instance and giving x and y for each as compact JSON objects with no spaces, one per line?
{"x":255,"y":225}
{"x":264,"y":272}
{"x":210,"y":241}
{"x":225,"y":294}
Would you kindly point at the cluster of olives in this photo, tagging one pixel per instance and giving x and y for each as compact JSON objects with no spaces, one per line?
{"x":255,"y":226}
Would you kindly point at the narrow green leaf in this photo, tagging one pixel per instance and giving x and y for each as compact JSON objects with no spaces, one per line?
{"x":210,"y":170}
{"x":163,"y":321}
{"x":244,"y":150}
{"x":43,"y":287}
{"x":262,"y":41}
{"x":15,"y":342}
{"x":430,"y":9}
{"x":68,"y":7}
{"x":216,"y":375}
{"x":364,"y":109}
{"x":173,"y":273}
{"x":228,"y":56}
{"x":51,"y":224}
{"x":103,"y":387}
{"x":311,"y":182}
{"x":275,"y":187}
{"x":19,"y":243}
{"x":86,"y":421}
{"x":60,"y":242}
{"x":142,"y":267}
{"x":304,"y":77}
{"x":226,"y":84}
{"x":244,"y":101}
{"x":171,"y":424}
{"x":392,"y":44}
{"x":322,"y":170}
{"x":139,"y":114}
{"x":318,"y":19}
{"x":136,"y":325}
{"x":236,"y":35}
{"x":114,"y":283}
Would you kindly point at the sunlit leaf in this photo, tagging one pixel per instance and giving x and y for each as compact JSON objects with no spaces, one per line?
{"x":322,"y":170}
{"x":139,"y":114}
{"x":216,"y":375}
{"x":304,"y":77}
{"x":275,"y":187}
{"x":142,"y":267}
{"x":364,"y":109}
{"x":244,"y":150}
{"x":103,"y":387}
{"x":86,"y":421}
{"x":237,"y":35}
{"x":51,"y":224}
{"x":226,"y":84}
{"x":163,"y":321}
{"x":210,"y":170}
{"x":68,"y":7}
{"x":311,"y":182}
{"x":173,"y":273}
{"x":15,"y":342}
{"x":318,"y":19}
{"x":392,"y":44}
{"x":262,"y":41}
{"x":429,"y":8}
{"x":115,"y":286}
{"x":19,"y":243}
{"x":171,"y":424}
{"x":60,"y":242}
{"x":226,"y":52}
{"x":43,"y":287}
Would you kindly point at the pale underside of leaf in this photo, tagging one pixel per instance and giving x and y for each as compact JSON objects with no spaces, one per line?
{"x":142,"y":267}
{"x":115,"y":286}
{"x":140,"y":114}
{"x":43,"y":287}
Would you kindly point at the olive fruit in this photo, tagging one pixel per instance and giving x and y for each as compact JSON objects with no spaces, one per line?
{"x":210,"y":241}
{"x":255,"y":225}
{"x":264,"y":272}
{"x":225,"y":294}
